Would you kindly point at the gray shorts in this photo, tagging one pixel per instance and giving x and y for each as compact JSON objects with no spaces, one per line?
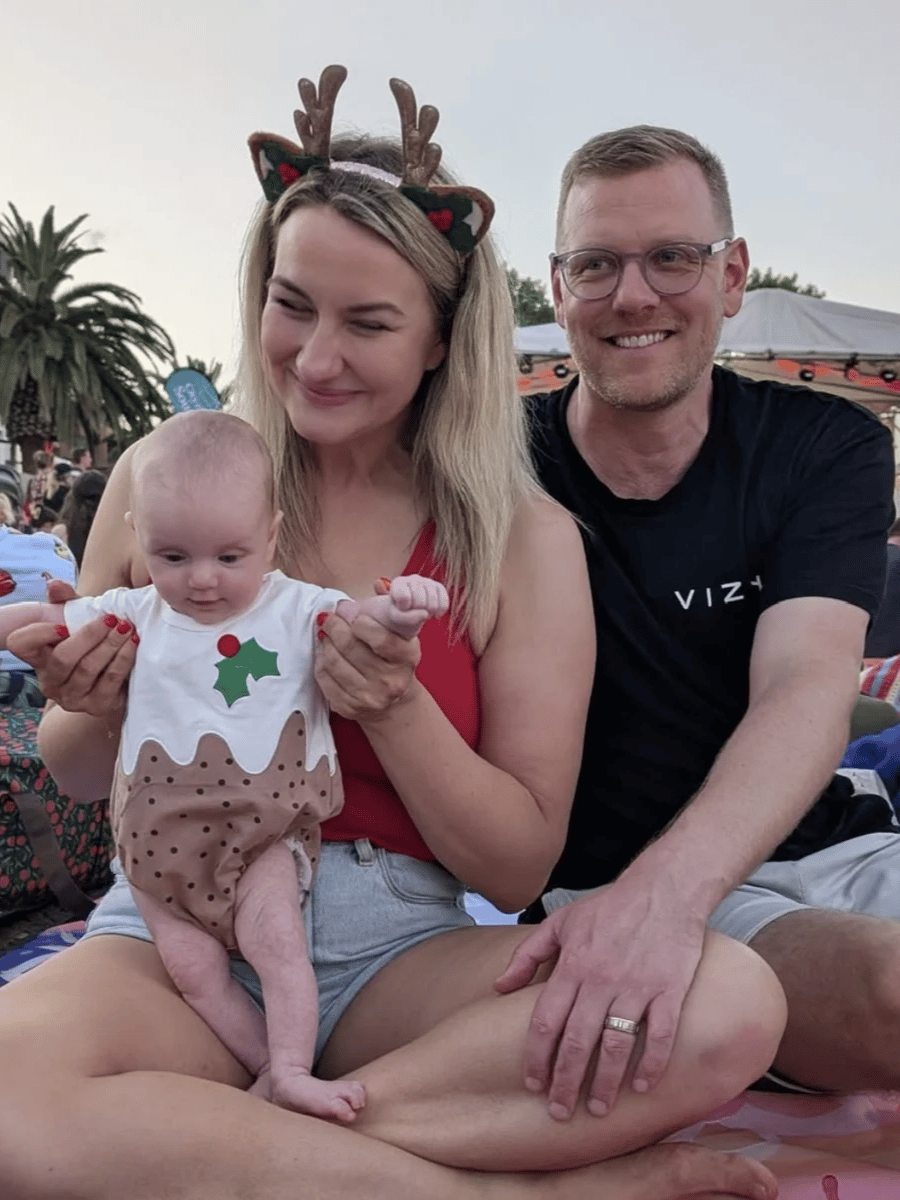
{"x":367,"y":906}
{"x":861,"y":875}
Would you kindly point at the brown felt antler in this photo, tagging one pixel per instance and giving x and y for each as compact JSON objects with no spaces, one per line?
{"x":313,"y":123}
{"x":421,"y":156}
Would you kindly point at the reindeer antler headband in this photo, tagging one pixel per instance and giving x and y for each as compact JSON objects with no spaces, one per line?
{"x":461,"y":214}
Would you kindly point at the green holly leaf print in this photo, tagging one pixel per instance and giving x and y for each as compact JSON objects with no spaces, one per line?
{"x":250,"y":659}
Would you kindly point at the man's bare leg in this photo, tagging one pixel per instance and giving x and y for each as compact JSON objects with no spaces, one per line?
{"x":269,"y":929}
{"x":112,"y":1086}
{"x":841,"y":975}
{"x":198,"y":966}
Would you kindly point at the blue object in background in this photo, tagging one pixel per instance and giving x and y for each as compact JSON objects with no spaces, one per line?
{"x":190,"y":390}
{"x":879,"y":752}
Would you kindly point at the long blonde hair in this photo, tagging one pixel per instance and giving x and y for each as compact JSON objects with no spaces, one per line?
{"x":466,"y":436}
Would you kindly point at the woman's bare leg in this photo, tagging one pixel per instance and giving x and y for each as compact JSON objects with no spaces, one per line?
{"x":455,"y":1094}
{"x":113,"y":1087}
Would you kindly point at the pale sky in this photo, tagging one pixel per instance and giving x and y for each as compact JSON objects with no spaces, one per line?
{"x":138,"y":115}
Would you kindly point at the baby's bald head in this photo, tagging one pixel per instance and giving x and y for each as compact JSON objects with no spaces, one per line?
{"x":201,"y":451}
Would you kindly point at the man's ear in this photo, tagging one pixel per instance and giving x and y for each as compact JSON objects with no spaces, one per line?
{"x":556,"y":291}
{"x":737,"y":268}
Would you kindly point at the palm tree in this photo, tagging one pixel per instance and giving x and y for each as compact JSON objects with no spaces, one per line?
{"x":71,"y":358}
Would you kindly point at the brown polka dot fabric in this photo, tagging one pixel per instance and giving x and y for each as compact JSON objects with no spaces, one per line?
{"x":186,"y":834}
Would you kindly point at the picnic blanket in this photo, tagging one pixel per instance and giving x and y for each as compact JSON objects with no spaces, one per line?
{"x":820,"y":1148}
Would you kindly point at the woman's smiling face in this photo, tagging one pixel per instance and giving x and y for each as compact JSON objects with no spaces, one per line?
{"x":348,"y":329}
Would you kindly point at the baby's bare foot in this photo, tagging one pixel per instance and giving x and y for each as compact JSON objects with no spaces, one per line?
{"x":334,"y":1099}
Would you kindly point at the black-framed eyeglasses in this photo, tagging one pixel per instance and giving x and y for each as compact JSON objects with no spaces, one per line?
{"x":670,"y":270}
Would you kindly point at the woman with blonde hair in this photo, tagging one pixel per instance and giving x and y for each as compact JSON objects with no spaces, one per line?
{"x":378,"y":366}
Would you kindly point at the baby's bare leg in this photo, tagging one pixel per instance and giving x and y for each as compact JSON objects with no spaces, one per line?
{"x":198,"y":966}
{"x":269,"y":930}
{"x":410,"y":601}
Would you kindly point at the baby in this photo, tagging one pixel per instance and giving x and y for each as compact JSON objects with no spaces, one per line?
{"x":227,"y":765}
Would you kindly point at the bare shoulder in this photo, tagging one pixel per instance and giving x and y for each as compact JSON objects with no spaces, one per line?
{"x":543,"y":537}
{"x":543,"y":579}
{"x":112,"y":557}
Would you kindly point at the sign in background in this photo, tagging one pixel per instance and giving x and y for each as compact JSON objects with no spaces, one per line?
{"x":189,"y":390}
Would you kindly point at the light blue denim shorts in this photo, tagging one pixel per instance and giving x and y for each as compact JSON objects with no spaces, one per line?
{"x":367,"y":906}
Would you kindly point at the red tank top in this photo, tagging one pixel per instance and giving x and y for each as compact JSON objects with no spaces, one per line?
{"x":449,"y":670}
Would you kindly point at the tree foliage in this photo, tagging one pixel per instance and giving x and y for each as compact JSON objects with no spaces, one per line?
{"x":529,"y":297}
{"x":788,"y":283}
{"x":76,"y":362}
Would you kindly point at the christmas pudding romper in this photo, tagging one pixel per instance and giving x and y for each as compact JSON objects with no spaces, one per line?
{"x":226,"y":746}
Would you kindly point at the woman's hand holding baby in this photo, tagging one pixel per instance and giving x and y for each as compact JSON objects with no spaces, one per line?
{"x":368,"y":651}
{"x":87,"y":672}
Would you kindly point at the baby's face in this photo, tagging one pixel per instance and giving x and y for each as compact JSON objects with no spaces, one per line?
{"x":206,"y":554}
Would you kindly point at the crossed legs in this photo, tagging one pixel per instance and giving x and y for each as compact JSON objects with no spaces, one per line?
{"x":115,"y":1087}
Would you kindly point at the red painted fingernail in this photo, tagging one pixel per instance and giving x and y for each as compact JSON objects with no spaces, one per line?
{"x":321,"y":618}
{"x":124,"y":627}
{"x":135,"y":638}
{"x":321,"y":635}
{"x":110,"y":621}
{"x":384,"y":579}
{"x":61,"y":631}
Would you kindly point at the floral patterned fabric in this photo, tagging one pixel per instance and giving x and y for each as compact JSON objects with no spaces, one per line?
{"x":82,"y":830}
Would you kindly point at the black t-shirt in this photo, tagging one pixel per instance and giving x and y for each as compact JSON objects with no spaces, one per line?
{"x":790,"y":495}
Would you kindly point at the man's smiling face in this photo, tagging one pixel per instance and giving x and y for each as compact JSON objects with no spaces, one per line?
{"x":636,"y":349}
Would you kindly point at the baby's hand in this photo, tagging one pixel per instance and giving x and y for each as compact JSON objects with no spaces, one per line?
{"x":402,"y":606}
{"x":415,"y":593}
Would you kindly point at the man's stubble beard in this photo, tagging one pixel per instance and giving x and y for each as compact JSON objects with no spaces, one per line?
{"x":668,"y":390}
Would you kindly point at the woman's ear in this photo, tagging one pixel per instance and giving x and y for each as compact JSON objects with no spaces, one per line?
{"x":437,"y":355}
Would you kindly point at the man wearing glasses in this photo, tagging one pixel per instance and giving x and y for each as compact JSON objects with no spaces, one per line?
{"x":735,"y":533}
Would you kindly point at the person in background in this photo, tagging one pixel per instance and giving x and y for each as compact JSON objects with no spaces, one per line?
{"x":78,"y":511}
{"x":45,"y":521}
{"x":883,"y":638}
{"x":64,"y":475}
{"x":27,"y":564}
{"x":40,"y":486}
{"x":7,"y":510}
{"x":82,"y":459}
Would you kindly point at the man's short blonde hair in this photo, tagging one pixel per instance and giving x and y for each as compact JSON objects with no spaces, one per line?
{"x":639,"y":148}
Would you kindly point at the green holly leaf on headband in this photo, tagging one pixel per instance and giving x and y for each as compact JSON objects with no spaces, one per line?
{"x":241,"y":661}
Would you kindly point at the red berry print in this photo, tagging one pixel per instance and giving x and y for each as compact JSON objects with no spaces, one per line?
{"x":228,"y":645}
{"x":288,"y":174}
